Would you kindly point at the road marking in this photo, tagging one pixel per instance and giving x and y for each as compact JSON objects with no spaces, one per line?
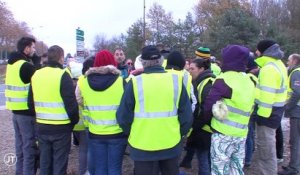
{"x":2,"y":108}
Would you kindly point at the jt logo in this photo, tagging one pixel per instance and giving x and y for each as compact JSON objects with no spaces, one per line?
{"x":10,"y":159}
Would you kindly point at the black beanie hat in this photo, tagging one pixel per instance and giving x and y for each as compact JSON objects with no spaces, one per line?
{"x":150,"y":53}
{"x":175,"y":58}
{"x":264,"y":45}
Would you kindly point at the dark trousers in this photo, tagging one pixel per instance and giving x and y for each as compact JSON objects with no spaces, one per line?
{"x":54,"y":153}
{"x":279,"y":143}
{"x":165,"y":167}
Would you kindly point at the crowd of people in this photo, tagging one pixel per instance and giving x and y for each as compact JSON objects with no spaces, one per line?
{"x":155,"y":106}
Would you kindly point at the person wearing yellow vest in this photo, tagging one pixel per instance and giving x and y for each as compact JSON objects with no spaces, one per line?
{"x":81,"y":128}
{"x":204,"y":52}
{"x":155,"y":112}
{"x":18,"y":75}
{"x":175,"y":64}
{"x":270,"y":99}
{"x":101,"y":91}
{"x":200,"y":137}
{"x":52,"y":96}
{"x":230,"y":130}
{"x":292,"y":111}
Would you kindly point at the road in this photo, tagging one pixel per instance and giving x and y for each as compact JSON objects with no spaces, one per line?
{"x":2,"y":97}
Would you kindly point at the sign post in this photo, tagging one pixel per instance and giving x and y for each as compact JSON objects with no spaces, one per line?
{"x":80,"y":44}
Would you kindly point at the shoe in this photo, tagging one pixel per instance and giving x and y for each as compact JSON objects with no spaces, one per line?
{"x":288,"y":171}
{"x":279,"y":160}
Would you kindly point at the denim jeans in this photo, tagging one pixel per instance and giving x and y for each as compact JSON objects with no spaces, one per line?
{"x":203,"y":156}
{"x":105,"y":156}
{"x":250,"y":145}
{"x":54,"y":153}
{"x":25,"y":144}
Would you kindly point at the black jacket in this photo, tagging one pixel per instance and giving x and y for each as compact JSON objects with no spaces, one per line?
{"x":67,"y":92}
{"x":26,"y":72}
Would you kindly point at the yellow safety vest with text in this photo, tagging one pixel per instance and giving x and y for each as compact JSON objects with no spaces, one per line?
{"x":155,"y":125}
{"x":290,"y":90}
{"x":102,"y":107}
{"x":240,"y":105}
{"x":16,"y":92}
{"x":48,"y":103}
{"x":272,"y":85}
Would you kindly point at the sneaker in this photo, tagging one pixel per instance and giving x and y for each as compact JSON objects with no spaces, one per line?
{"x":279,"y":160}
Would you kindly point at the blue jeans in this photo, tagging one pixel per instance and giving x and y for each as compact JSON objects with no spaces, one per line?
{"x":203,"y":156}
{"x":54,"y":153}
{"x":250,"y":143}
{"x":106,"y":156}
{"x":24,"y":144}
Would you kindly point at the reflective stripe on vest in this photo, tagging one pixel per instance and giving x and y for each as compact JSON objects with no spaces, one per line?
{"x":17,"y":88}
{"x":49,"y":107}
{"x":16,"y":92}
{"x":101,"y":108}
{"x":102,"y":122}
{"x":143,"y":114}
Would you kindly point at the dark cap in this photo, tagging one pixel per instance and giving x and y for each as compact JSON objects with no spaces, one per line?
{"x":175,"y":58}
{"x":264,"y":45}
{"x":150,"y":53}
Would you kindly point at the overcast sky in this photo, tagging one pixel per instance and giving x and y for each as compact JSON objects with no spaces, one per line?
{"x":55,"y":21}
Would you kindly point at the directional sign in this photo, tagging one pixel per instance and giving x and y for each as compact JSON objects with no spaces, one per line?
{"x":80,"y":38}
{"x":79,"y":32}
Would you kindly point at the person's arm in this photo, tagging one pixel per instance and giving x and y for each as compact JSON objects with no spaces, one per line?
{"x":193,"y":98}
{"x":67,"y":92}
{"x":30,"y":101}
{"x":185,"y":114}
{"x":218,"y":91}
{"x":26,"y":72}
{"x":125,"y":112}
{"x":78,"y":96}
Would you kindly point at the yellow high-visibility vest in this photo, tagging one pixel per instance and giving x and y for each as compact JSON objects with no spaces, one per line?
{"x":16,"y":92}
{"x":240,"y":105}
{"x":155,"y":125}
{"x":49,"y":105}
{"x":272,"y":85}
{"x":102,"y":107}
